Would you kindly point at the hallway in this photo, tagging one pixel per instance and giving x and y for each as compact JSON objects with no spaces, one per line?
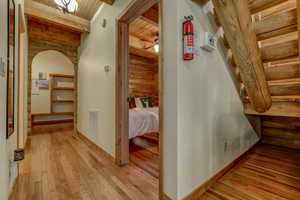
{"x":60,"y":166}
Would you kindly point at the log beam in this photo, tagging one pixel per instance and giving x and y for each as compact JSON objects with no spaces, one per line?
{"x":298,"y":21}
{"x":143,"y":53}
{"x":110,"y":2}
{"x":234,"y":16}
{"x":35,"y":9}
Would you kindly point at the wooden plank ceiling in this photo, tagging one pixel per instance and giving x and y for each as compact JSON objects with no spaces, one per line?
{"x":144,"y":33}
{"x":86,"y":8}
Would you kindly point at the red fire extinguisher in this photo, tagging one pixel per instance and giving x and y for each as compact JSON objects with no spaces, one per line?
{"x":188,"y":38}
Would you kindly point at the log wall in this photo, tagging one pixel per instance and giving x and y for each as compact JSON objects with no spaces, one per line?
{"x":143,"y":78}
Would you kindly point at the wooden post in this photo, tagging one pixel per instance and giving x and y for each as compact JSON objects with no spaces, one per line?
{"x":298,"y":21}
{"x":122,"y":142}
{"x":75,"y":115}
{"x":235,"y":18}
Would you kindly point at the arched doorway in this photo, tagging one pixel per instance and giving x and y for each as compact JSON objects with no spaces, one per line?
{"x":54,"y":63}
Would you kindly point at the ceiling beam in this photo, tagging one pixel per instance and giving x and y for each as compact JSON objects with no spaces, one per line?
{"x":146,"y":39}
{"x":142,"y":44}
{"x":110,"y":2}
{"x":143,"y":53}
{"x":235,"y":20}
{"x":151,"y":16}
{"x":148,"y":21}
{"x":132,"y":13}
{"x":53,"y":15}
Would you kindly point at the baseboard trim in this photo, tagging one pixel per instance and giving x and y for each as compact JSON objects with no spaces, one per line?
{"x":13,"y":188}
{"x":166,"y":197}
{"x":94,"y":146}
{"x":204,"y":187}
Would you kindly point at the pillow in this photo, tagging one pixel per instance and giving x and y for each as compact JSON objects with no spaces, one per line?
{"x":131,"y":102}
{"x":138,"y":103}
{"x":147,"y":102}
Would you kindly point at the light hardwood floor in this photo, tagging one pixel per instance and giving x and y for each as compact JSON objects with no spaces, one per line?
{"x":269,"y":173}
{"x":61,"y":167}
{"x":144,"y":153}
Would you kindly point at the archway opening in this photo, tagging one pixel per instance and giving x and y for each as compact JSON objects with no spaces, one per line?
{"x":52,"y":94}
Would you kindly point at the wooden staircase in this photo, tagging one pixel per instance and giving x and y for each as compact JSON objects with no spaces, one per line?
{"x":275,"y":25}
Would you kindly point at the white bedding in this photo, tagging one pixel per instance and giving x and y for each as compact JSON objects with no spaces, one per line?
{"x":142,"y":121}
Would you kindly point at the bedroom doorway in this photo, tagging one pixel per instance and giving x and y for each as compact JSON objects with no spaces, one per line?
{"x":138,"y":93}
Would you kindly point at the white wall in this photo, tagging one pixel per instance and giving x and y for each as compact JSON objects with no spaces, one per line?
{"x":171,"y":53}
{"x":24,"y":82}
{"x":202,"y":109}
{"x":209,"y":110}
{"x":4,"y":169}
{"x":96,"y":89}
{"x":48,"y":62}
{"x":7,"y":146}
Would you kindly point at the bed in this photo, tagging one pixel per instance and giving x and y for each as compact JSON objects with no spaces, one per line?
{"x":142,"y":121}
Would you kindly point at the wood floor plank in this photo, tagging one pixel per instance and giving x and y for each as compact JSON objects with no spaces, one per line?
{"x":273,"y":175}
{"x":227,"y":192}
{"x":59,"y":166}
{"x":268,"y":173}
{"x":209,"y":196}
{"x":251,"y":187}
{"x":276,"y":165}
{"x":269,"y":184}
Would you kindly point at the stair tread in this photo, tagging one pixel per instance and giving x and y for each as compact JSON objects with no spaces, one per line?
{"x":284,"y":82}
{"x":283,"y":109}
{"x":259,"y":6}
{"x":291,"y":98}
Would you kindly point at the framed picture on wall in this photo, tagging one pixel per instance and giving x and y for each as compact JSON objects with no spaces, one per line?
{"x":11,"y":49}
{"x":44,"y":84}
{"x":35,"y":89}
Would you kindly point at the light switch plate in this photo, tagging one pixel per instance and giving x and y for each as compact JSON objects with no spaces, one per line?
{"x":210,"y":42}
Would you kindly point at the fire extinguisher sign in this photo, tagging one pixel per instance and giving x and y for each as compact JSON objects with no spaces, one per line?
{"x":188,"y":38}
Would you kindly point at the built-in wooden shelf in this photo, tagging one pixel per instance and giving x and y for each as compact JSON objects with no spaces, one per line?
{"x":66,"y":100}
{"x":52,"y":114}
{"x":63,"y":101}
{"x":62,"y":75}
{"x":48,"y":122}
{"x":62,"y":88}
